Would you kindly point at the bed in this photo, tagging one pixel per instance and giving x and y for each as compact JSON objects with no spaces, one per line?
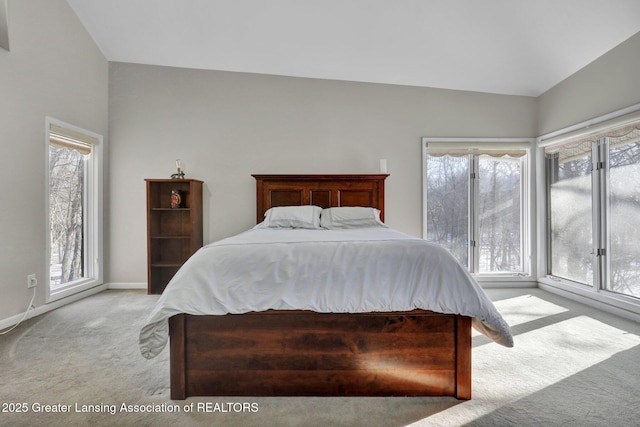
{"x":264,"y":335}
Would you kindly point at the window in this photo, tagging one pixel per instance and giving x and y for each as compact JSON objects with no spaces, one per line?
{"x":475,"y":203}
{"x":624,"y":213}
{"x":593,"y":208}
{"x":74,"y":203}
{"x":448,"y":204}
{"x":570,"y":212}
{"x":499,"y":220}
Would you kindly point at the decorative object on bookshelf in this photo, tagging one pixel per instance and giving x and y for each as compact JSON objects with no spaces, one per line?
{"x":174,"y":230}
{"x":180,"y":172}
{"x":176,"y":198}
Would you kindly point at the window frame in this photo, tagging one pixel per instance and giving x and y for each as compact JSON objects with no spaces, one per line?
{"x":94,"y":216}
{"x":596,"y":291}
{"x":528,"y":275}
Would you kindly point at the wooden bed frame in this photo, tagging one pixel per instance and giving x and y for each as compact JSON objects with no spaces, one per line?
{"x":303,"y":353}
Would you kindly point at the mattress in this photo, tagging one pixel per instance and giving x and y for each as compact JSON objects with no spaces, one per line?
{"x":358,"y":270}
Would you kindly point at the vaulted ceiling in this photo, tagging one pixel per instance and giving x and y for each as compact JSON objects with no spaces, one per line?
{"x":518,"y":47}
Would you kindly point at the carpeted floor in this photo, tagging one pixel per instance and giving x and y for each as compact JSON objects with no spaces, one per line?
{"x":571,"y":366}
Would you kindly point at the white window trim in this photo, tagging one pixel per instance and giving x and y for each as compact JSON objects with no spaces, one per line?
{"x":94,"y":205}
{"x":528,"y":278}
{"x":588,"y":294}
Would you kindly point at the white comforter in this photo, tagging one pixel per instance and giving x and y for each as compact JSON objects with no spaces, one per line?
{"x":355,"y":270}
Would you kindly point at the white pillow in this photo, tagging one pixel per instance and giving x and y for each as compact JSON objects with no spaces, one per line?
{"x":350,"y":217}
{"x":307,"y":216}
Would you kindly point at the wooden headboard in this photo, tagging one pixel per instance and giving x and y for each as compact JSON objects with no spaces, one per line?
{"x":325,"y":191}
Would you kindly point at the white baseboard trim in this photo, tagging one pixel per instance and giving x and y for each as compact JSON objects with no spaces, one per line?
{"x":10,"y":321}
{"x":127,"y":285}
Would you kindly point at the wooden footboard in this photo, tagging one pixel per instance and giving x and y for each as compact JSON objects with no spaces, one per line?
{"x":302,"y":353}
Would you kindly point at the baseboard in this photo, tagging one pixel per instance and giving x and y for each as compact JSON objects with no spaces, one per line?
{"x":127,"y":285}
{"x":10,"y":321}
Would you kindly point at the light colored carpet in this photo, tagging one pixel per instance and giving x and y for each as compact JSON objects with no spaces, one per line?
{"x":571,"y":366}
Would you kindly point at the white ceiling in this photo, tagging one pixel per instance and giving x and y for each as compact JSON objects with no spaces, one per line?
{"x":519,"y":47}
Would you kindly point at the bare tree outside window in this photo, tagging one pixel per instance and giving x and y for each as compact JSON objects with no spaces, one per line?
{"x":74,"y":210}
{"x":624,"y":202}
{"x":499,"y":215}
{"x":496,"y":210}
{"x":66,"y":192}
{"x":448,"y":204}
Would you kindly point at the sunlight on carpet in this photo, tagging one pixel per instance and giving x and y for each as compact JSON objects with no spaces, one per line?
{"x":549,"y":348}
{"x":527,"y":308}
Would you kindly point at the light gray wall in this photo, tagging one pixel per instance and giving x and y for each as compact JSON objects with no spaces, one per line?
{"x":226,"y":126}
{"x":608,"y":84}
{"x":53,"y":69}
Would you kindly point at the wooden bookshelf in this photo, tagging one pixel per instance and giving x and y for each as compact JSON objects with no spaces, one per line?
{"x":173,"y":233}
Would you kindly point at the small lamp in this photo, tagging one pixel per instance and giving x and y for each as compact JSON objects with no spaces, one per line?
{"x":180,"y":173}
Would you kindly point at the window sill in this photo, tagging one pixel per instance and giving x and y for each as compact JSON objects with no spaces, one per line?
{"x":610,"y":302}
{"x":505,"y":280}
{"x":72,"y":288}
